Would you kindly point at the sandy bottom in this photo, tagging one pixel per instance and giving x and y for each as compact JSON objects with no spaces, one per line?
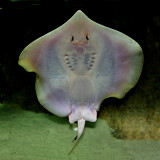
{"x":26,"y":135}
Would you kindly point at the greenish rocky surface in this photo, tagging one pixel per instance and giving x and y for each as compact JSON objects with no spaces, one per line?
{"x":26,"y":135}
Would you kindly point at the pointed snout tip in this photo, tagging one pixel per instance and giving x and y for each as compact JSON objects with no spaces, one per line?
{"x":79,"y":13}
{"x":79,"y":18}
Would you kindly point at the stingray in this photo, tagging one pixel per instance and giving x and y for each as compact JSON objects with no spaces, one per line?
{"x":80,"y":64}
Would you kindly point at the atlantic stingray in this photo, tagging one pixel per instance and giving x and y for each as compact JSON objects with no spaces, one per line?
{"x":80,"y":64}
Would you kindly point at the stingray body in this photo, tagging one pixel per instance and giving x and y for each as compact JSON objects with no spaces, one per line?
{"x":79,"y":64}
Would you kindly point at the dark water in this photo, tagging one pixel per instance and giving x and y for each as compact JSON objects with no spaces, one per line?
{"x":21,"y":22}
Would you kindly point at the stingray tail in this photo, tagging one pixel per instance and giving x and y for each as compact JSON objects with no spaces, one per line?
{"x":81,"y":124}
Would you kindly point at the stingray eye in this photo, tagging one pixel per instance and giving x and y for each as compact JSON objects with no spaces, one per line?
{"x":87,"y":37}
{"x":72,"y":38}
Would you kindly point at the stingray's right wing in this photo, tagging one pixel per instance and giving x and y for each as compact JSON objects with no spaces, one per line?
{"x":119,"y":64}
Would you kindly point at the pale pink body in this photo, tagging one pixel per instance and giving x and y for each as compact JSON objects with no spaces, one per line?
{"x":79,"y":64}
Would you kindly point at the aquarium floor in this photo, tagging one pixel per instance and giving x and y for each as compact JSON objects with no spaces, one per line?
{"x":26,"y":135}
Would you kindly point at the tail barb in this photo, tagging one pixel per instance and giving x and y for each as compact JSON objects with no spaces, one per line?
{"x":81,"y":124}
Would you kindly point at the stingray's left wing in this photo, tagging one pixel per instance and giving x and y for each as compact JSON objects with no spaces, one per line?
{"x":43,"y":57}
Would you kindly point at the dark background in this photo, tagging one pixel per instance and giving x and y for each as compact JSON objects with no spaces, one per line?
{"x":21,"y":22}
